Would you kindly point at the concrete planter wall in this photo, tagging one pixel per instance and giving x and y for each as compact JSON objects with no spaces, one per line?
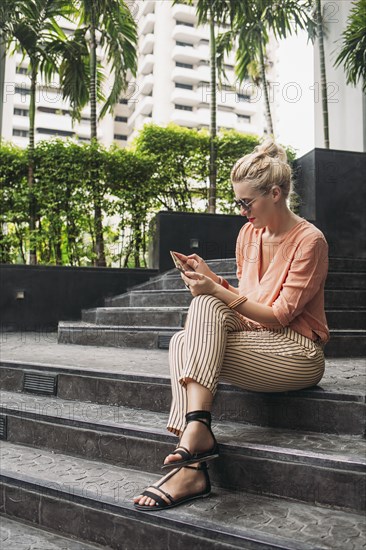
{"x":332,"y":188}
{"x":51,"y":294}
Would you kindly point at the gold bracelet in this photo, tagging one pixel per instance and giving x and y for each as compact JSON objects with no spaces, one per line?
{"x":235,"y":303}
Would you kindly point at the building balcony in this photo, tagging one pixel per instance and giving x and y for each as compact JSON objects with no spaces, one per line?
{"x":227,"y":98}
{"x":55,"y":121}
{"x":141,"y":121}
{"x":204,"y":51}
{"x":223,"y":119}
{"x":147,"y":64}
{"x":147,"y":44}
{"x":186,"y":54}
{"x":186,"y":76}
{"x":147,"y":23}
{"x":21,"y":122}
{"x":184,"y":118}
{"x":145,"y":85}
{"x":204,"y":73}
{"x":148,"y":6}
{"x":143,"y":106}
{"x":184,"y":33}
{"x":184,"y":13}
{"x":185,"y":97}
{"x":244,"y":126}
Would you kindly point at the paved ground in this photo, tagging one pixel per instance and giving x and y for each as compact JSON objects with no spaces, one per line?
{"x":32,"y":347}
{"x":20,"y":536}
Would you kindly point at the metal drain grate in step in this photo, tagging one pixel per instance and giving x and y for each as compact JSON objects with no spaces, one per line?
{"x":163,"y":341}
{"x":45,"y":384}
{"x":3,"y":427}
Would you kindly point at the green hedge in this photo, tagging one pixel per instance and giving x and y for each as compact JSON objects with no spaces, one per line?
{"x":166,"y":168}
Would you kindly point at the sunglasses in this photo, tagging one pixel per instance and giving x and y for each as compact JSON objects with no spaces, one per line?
{"x":242,"y":203}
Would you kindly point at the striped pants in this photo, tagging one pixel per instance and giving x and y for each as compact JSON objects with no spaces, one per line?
{"x":217,"y":344}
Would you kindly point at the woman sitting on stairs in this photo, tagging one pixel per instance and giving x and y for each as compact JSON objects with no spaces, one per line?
{"x":267,"y":335}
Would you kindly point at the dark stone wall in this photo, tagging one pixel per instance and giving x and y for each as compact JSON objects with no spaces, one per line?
{"x":211,"y":236}
{"x":53,"y":294}
{"x":332,"y":188}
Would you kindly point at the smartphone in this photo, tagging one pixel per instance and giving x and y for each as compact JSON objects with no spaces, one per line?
{"x":179,"y":264}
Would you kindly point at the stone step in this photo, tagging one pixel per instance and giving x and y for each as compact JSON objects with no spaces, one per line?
{"x":136,"y":316}
{"x":349,"y":285}
{"x":343,"y":280}
{"x":176,"y":316}
{"x":344,"y":298}
{"x":335,"y":264}
{"x":17,"y":535}
{"x":92,"y":501}
{"x":343,"y":343}
{"x":182,"y":298}
{"x":335,"y":406}
{"x":317,"y":468}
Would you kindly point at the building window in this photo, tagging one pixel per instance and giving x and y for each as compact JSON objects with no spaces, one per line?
{"x":243,"y":97}
{"x":185,"y":24}
{"x":120,"y":137}
{"x":21,"y":133}
{"x":123,"y":101}
{"x":183,"y":107}
{"x":121,"y":119}
{"x":184,"y":86}
{"x":51,"y":132}
{"x":22,"y":90}
{"x":21,"y":70}
{"x":245,"y":118}
{"x":204,"y":42}
{"x":81,"y":138}
{"x":53,"y":111}
{"x":184,"y":44}
{"x":184,"y":65}
{"x":21,"y":112}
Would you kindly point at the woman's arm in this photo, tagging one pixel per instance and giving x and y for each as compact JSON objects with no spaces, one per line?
{"x":253,"y":310}
{"x":200,"y":284}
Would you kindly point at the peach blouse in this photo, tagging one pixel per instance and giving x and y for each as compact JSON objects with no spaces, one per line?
{"x":294,"y":281}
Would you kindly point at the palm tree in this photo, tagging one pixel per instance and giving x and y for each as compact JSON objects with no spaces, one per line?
{"x":214,"y":13}
{"x":352,"y":53}
{"x":31,"y":26}
{"x":253,"y":21}
{"x":109,"y":25}
{"x":323,"y":75}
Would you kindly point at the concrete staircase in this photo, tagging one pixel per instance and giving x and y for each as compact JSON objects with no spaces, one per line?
{"x":148,"y":315}
{"x":83,"y":431}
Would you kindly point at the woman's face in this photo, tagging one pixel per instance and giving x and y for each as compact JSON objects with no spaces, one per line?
{"x":260,"y":206}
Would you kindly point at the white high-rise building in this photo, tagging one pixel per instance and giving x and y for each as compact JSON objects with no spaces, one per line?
{"x":173,"y":80}
{"x":172,"y":85}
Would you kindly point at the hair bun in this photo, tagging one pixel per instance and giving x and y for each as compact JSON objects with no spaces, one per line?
{"x":270,"y":149}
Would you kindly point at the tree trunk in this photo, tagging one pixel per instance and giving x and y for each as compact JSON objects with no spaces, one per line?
{"x":213,"y":152}
{"x":323,"y":76}
{"x":93,"y":79}
{"x":98,"y":223}
{"x":265,"y":88}
{"x":32,"y":200}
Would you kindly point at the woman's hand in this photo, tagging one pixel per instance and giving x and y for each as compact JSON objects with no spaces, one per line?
{"x":198,"y":264}
{"x":198,"y":283}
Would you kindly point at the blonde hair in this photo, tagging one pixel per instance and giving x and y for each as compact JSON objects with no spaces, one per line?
{"x":265,"y":167}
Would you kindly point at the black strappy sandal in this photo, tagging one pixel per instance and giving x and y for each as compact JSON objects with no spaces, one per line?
{"x":187,"y":456}
{"x":161,"y":504}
